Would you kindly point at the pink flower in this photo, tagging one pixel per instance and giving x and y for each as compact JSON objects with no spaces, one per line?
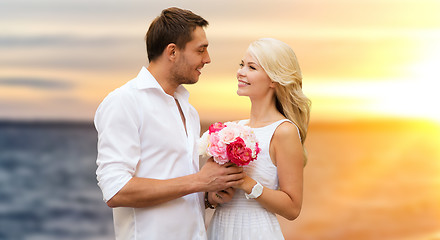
{"x":257,"y":149}
{"x":217,"y":149}
{"x":216,"y":127}
{"x":238,"y":153}
{"x":221,"y":160}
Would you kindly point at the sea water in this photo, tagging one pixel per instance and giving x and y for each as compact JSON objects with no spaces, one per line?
{"x":48,"y":184}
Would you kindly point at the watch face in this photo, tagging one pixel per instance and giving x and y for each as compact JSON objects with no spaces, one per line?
{"x":257,"y":190}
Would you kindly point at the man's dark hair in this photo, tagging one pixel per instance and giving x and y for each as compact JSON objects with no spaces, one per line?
{"x":174,"y":25}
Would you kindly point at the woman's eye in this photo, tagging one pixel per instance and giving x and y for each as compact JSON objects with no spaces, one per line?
{"x":253,"y":68}
{"x":241,"y":65}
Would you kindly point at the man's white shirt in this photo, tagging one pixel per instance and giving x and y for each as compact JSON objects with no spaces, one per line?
{"x":141,"y":134}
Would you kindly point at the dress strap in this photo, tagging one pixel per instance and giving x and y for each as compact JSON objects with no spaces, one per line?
{"x":274,"y":125}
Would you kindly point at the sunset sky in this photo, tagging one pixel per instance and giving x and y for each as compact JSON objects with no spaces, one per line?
{"x":360,"y":59}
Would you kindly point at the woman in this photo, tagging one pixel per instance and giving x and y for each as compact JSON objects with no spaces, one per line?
{"x":270,"y":76}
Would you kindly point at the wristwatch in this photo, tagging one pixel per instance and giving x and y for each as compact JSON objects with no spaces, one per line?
{"x":257,"y":190}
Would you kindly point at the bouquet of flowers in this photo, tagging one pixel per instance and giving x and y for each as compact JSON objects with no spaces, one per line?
{"x":229,"y":142}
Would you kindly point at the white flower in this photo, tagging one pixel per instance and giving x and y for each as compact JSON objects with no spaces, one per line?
{"x":229,"y":133}
{"x":203,"y":144}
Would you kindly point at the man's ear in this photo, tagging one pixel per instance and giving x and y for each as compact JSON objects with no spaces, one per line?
{"x":170,"y":51}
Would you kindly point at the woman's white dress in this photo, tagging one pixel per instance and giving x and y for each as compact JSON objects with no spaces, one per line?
{"x":243,"y":219}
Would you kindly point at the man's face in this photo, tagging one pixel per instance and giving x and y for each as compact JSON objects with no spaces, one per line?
{"x":191,"y":60}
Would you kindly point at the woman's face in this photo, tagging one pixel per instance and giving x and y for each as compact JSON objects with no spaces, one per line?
{"x":252,"y":79}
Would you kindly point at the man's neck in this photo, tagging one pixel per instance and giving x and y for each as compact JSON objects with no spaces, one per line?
{"x":161,"y":74}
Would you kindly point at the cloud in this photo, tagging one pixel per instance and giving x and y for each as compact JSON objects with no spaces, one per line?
{"x":61,"y":41}
{"x":72,"y":52}
{"x":36,"y":83}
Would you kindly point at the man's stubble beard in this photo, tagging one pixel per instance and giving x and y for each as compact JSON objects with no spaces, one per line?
{"x":180,"y":73}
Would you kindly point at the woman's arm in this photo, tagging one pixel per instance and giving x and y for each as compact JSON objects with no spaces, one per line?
{"x":286,"y":150}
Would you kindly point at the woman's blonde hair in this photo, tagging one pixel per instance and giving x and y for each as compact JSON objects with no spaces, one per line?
{"x":281,"y":65}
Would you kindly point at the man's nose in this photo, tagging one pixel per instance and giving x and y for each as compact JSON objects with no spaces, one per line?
{"x":207,"y":59}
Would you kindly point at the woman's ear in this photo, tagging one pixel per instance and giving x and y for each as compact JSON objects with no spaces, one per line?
{"x":273,"y":84}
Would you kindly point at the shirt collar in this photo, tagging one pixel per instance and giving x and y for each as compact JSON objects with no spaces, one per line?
{"x":146,"y":80}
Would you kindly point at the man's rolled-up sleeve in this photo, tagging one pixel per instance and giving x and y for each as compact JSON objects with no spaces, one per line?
{"x":117,"y":123}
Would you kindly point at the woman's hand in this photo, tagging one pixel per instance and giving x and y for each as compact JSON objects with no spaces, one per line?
{"x":247,"y":184}
{"x":221,"y":197}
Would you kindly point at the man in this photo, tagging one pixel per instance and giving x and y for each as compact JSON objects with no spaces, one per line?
{"x":147,"y":132}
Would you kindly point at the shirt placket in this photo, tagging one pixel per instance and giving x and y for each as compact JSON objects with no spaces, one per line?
{"x":189,"y":135}
{"x":201,"y":234}
{"x":176,"y":115}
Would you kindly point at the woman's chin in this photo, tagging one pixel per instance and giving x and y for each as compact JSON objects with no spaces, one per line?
{"x":240,"y":93}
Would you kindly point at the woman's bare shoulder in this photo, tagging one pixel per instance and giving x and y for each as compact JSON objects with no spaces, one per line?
{"x":287,"y":131}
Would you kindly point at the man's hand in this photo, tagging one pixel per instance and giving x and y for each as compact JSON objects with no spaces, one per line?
{"x":215,"y":177}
